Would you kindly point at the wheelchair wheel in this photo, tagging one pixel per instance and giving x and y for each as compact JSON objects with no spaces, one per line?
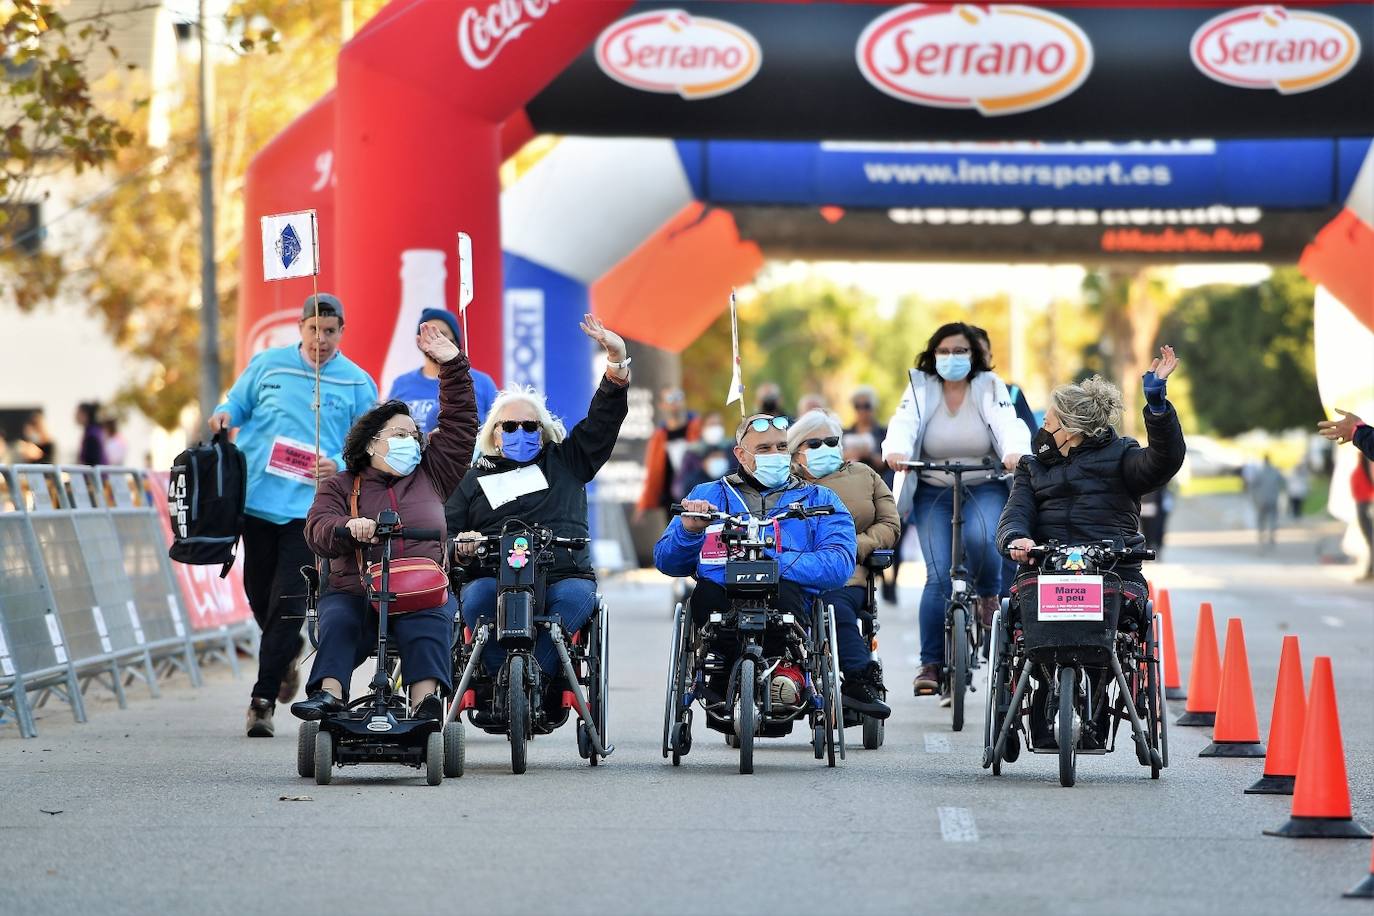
{"x":837,"y":698}
{"x":455,"y":749}
{"x":744,"y":716}
{"x":682,"y":737}
{"x":992,"y":721}
{"x":1068,"y":755}
{"x":434,"y":758}
{"x":305,"y":748}
{"x":677,"y":663}
{"x":1156,"y":717}
{"x":324,"y":757}
{"x":598,"y":656}
{"x":956,"y":648}
{"x":873,"y":733}
{"x":518,"y":718}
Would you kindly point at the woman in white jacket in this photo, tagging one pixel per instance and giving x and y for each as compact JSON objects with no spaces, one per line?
{"x":954,"y":409}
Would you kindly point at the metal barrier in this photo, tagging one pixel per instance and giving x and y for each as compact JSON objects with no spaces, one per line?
{"x":87,"y":593}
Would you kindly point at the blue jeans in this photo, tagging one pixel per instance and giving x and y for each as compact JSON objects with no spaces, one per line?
{"x":932,"y":512}
{"x":348,"y":632}
{"x":853,"y":648}
{"x":572,"y":600}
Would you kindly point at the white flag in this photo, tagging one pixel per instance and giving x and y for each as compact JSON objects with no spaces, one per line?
{"x":464,"y":271}
{"x":736,"y":378}
{"x":290,"y":245}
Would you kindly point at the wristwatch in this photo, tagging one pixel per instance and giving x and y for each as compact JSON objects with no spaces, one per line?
{"x":619,"y":366}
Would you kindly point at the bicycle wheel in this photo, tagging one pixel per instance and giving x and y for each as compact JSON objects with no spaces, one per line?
{"x":518,"y":702}
{"x":1068,"y":756}
{"x":957,"y":650}
{"x":744,"y":716}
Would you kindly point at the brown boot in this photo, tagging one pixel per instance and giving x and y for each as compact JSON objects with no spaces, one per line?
{"x":986,"y":608}
{"x":290,"y":683}
{"x":927,"y":680}
{"x":260,"y":718}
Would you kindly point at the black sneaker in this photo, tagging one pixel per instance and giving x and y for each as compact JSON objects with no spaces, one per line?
{"x":863,"y":691}
{"x":431,"y":707}
{"x":320,"y":704}
{"x":260,"y":718}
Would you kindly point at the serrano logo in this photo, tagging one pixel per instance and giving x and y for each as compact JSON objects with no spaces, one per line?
{"x":1269,"y":47}
{"x":671,"y":52}
{"x":481,"y":36}
{"x":998,"y":60}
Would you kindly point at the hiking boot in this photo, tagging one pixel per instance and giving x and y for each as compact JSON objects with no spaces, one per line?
{"x":431,"y":707}
{"x":863,"y":691}
{"x":260,"y":718}
{"x":927,"y":680}
{"x":321,"y":703}
{"x":290,"y":684}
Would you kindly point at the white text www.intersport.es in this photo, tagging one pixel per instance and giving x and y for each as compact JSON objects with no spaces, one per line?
{"x":1018,"y":173}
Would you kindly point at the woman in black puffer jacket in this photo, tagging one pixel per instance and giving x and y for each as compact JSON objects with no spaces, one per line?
{"x":1083,"y":482}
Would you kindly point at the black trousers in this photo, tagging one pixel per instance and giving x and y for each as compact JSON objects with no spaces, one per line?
{"x":272,"y":558}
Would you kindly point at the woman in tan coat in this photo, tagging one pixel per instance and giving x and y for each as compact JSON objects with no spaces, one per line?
{"x":814,"y":441}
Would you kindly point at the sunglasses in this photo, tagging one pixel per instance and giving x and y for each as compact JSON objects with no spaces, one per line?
{"x":862,"y":405}
{"x":529,"y":426}
{"x":761,"y":424}
{"x":831,"y":441}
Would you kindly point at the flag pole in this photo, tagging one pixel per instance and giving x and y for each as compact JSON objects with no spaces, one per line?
{"x":738,"y":372}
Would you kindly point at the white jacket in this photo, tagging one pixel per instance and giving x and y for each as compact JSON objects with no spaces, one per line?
{"x":907,"y":428}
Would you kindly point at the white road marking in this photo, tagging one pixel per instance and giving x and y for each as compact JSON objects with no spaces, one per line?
{"x":956,"y":826}
{"x":1334,"y":622}
{"x":936,"y":744}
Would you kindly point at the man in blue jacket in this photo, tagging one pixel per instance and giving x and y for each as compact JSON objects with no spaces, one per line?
{"x":816,"y":555}
{"x":420,"y":389}
{"x":272,"y":405}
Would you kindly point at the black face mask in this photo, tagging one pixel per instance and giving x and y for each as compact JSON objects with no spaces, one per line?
{"x":770,"y":405}
{"x":1045,"y":447}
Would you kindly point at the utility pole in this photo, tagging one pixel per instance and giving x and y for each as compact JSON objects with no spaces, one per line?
{"x":209,"y":295}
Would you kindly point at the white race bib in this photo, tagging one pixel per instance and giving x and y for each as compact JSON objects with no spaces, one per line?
{"x":503,"y":488}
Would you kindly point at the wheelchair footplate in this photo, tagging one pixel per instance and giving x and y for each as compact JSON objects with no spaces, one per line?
{"x":363,"y":735}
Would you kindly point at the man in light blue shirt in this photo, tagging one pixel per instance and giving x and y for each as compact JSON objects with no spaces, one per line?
{"x":272,"y":406}
{"x":420,"y":389}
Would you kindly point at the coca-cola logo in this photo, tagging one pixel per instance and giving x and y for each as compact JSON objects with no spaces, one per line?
{"x":482,"y":35}
{"x":996,"y":60}
{"x":672,"y":52}
{"x":1269,"y":47}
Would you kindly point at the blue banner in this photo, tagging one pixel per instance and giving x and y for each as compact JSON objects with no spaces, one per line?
{"x":1188,"y":173}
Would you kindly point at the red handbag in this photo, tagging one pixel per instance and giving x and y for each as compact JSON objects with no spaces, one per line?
{"x":417,"y":582}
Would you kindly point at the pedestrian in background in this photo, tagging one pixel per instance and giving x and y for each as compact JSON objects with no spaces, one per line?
{"x":1298,"y":484}
{"x":39,"y":441}
{"x":768,"y":399}
{"x":92,"y":450}
{"x":271,"y":405}
{"x":1266,"y":488}
{"x":666,"y":452}
{"x":116,"y":449}
{"x":1362,"y":489}
{"x":420,"y":389}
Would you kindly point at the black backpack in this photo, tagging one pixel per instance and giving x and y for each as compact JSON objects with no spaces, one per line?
{"x":205,"y":496}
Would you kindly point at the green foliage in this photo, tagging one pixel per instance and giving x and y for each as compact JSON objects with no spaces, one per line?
{"x":1251,"y":357}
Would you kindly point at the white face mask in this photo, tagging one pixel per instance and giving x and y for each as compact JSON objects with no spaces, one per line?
{"x":713,"y":433}
{"x":716,"y":467}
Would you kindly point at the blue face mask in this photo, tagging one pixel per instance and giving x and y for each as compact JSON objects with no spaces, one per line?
{"x":823,"y":460}
{"x":772,"y":470}
{"x":402,"y":454}
{"x":521,"y":445}
{"x":953,"y":368}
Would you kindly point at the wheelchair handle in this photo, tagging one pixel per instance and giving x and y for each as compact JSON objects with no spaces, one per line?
{"x":409,"y":534}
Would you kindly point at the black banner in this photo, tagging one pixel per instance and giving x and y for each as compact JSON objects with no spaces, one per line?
{"x":868,"y":72}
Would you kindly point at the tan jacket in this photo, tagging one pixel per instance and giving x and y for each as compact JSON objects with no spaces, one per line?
{"x":871,"y":503}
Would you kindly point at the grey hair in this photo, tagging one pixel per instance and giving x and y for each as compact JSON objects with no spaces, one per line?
{"x":814,"y":424}
{"x":551,"y":428}
{"x":1088,"y":408}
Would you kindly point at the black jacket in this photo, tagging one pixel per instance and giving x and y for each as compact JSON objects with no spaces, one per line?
{"x":1094,"y":493}
{"x":568,"y":467}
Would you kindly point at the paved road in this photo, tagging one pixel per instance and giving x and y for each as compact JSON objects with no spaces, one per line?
{"x":164,"y":808}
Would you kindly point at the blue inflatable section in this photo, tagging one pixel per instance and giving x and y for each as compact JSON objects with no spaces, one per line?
{"x":1191,"y":173}
{"x":543,"y":346}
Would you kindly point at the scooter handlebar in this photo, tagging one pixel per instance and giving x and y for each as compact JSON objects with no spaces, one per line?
{"x":409,"y":534}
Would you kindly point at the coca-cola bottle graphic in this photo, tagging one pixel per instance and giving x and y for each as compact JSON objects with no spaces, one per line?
{"x":423,"y":273}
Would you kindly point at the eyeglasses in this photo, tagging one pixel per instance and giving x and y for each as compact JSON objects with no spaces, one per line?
{"x":831,"y":441}
{"x":529,"y":426}
{"x":402,"y":434}
{"x":862,"y":405}
{"x":761,"y":424}
{"x":957,"y":351}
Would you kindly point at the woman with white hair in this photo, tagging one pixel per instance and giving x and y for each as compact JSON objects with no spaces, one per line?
{"x":1083,"y":483}
{"x":814,"y":441}
{"x":528,"y":468}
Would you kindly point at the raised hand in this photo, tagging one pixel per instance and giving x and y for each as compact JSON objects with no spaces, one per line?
{"x":1165,"y":363}
{"x":435,"y":345}
{"x":610,"y":341}
{"x":1342,"y":430}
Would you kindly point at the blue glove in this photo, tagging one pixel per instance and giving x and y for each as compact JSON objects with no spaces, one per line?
{"x":1155,"y":392}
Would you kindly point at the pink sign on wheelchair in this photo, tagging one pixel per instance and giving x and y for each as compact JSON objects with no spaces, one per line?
{"x":1065,"y":598}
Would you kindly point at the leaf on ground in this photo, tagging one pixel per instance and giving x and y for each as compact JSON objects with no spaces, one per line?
{"x":295,"y":798}
{"x":46,"y":811}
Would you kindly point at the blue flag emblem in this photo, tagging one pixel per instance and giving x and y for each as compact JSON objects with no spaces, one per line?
{"x":288,"y":246}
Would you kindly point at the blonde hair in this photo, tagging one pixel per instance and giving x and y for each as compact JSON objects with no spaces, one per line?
{"x":551,"y":428}
{"x":813,"y":424}
{"x":1088,"y":408}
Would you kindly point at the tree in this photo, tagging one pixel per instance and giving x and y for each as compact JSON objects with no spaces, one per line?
{"x":1253,"y":358}
{"x":1130,"y":304}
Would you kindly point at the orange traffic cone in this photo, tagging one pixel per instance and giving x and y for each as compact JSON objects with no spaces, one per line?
{"x":1237,"y":731}
{"x":1366,"y":887}
{"x":1204,"y":681}
{"x":1321,"y":794}
{"x":1285,"y":725}
{"x":1173,"y":684}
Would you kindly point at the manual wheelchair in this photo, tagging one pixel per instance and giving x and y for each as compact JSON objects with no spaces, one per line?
{"x":1097,"y":669}
{"x":520,"y":701}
